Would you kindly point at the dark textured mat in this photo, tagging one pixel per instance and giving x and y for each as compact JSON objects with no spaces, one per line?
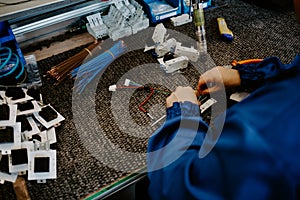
{"x":258,"y":32}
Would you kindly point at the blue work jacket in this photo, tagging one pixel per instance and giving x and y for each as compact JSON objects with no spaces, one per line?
{"x":255,"y":156}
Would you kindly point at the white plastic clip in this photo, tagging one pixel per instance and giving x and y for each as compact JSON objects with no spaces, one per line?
{"x":112,"y":88}
{"x":127,"y":82}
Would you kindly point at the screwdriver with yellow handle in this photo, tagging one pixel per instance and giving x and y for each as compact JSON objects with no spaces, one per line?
{"x":225,"y":33}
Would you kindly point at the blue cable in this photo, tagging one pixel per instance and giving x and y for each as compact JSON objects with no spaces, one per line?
{"x":6,"y":55}
{"x":10,"y":58}
{"x":12,"y":61}
{"x":88,"y":71}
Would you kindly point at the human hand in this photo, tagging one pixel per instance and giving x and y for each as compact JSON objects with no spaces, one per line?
{"x":182,"y":94}
{"x":218,"y":78}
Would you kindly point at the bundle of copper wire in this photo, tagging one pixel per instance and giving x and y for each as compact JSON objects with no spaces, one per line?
{"x":61,"y":71}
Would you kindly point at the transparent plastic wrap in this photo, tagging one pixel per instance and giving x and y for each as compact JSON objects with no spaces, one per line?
{"x":32,"y":75}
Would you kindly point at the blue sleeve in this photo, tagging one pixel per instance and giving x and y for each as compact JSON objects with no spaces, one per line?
{"x":255,"y":157}
{"x":238,"y":165}
{"x":255,"y":75}
{"x":173,"y":154}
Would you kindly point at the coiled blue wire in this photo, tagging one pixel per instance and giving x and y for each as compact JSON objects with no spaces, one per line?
{"x":7,"y":58}
{"x":88,"y":71}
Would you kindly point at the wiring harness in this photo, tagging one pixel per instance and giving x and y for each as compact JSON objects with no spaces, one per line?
{"x":133,"y":85}
{"x":89,"y":70}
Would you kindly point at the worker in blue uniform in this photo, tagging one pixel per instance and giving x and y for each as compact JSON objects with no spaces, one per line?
{"x":257,"y":154}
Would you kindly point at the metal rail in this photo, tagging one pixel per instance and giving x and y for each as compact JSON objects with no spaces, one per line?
{"x":59,"y":18}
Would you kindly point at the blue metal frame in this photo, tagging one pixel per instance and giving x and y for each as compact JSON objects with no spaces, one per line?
{"x":7,"y":39}
{"x":180,"y":7}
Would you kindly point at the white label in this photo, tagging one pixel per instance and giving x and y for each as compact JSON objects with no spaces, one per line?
{"x":168,"y":15}
{"x":207,"y":104}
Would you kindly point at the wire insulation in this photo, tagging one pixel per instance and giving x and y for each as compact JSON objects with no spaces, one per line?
{"x":89,"y":70}
{"x":10,"y":63}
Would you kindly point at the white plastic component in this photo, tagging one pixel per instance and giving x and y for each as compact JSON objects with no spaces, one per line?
{"x":35,"y":156}
{"x":50,"y":123}
{"x":163,"y":47}
{"x":21,"y":167}
{"x":2,"y":99}
{"x":36,"y":108}
{"x":34,"y":129}
{"x":181,"y":19}
{"x":9,"y":100}
{"x":138,"y":21}
{"x":96,"y":27}
{"x":207,"y":104}
{"x":120,"y":32}
{"x":43,"y":136}
{"x":175,"y":64}
{"x":16,"y":144}
{"x":166,"y":47}
{"x":112,"y":88}
{"x":124,"y":18}
{"x":191,"y":53}
{"x":148,"y":48}
{"x":161,"y":61}
{"x":123,"y":9}
{"x":41,"y":146}
{"x":239,"y":96}
{"x":12,"y":177}
{"x":159,"y":34}
{"x":51,"y":135}
{"x":127,"y":82}
{"x":117,"y":27}
{"x":111,"y":16}
{"x":129,"y":6}
{"x":94,"y":20}
{"x":12,"y":117}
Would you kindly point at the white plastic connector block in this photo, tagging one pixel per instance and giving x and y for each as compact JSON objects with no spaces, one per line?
{"x":166,"y":47}
{"x":20,"y":167}
{"x":10,"y":177}
{"x":96,"y":27}
{"x":94,"y":20}
{"x":181,"y":19}
{"x":159,"y":34}
{"x":239,"y":96}
{"x":112,"y":88}
{"x":48,"y":172}
{"x":138,"y":21}
{"x":12,"y":116}
{"x":127,"y":82}
{"x":124,"y":10}
{"x":119,"y":33}
{"x":124,"y":18}
{"x":129,"y":6}
{"x":55,"y":122}
{"x":191,"y":53}
{"x":148,"y":48}
{"x":6,"y":147}
{"x":175,"y":64}
{"x":161,"y":61}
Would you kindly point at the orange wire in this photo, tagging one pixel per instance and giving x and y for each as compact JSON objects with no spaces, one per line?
{"x":146,"y":100}
{"x":248,"y":61}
